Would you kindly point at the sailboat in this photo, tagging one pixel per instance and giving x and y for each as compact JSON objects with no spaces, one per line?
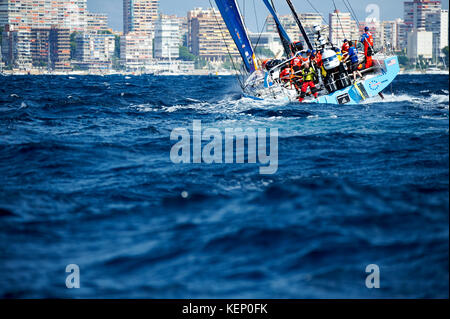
{"x":262,"y":84}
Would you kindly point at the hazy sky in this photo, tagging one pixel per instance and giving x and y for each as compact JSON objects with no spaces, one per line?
{"x":389,"y":9}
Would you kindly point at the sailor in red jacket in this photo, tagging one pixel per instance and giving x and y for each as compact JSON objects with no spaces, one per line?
{"x":285,"y":75}
{"x":367,"y":41}
{"x":345,"y":48}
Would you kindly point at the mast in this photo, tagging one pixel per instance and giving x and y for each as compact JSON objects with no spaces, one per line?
{"x":285,"y":40}
{"x":299,"y":23}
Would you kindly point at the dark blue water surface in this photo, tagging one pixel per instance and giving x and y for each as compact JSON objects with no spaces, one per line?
{"x":86,"y":179}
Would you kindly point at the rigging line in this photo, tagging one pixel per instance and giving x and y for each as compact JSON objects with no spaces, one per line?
{"x":317,"y":11}
{"x":256,"y":15}
{"x":352,"y":11}
{"x":339,"y":19}
{"x":226,"y":45}
{"x":260,"y":34}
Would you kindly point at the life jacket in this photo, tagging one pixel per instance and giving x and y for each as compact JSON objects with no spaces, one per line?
{"x":309,"y":74}
{"x":297,"y":61}
{"x":285,"y":75}
{"x":345,"y":47}
{"x":304,"y":60}
{"x":367,"y":40}
{"x":318,"y":59}
{"x":353,"y":54}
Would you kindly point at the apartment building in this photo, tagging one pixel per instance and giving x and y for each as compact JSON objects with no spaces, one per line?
{"x":68,"y":14}
{"x":425,"y":15}
{"x":167,"y":38}
{"x":94,"y":51}
{"x":140,"y":15}
{"x":342,"y":26}
{"x":136,"y":50}
{"x":96,"y":22}
{"x":208,"y":35}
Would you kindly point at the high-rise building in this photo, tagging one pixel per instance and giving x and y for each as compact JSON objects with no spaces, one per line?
{"x":60,"y":49}
{"x":402,"y":35}
{"x":136,"y":45}
{"x":208,"y":35}
{"x":167,"y":38}
{"x":94,"y":47}
{"x":70,"y":14}
{"x":40,"y":47}
{"x":140,"y":15}
{"x":16,"y":47}
{"x":444,"y":29}
{"x":424,"y":15}
{"x":389,"y":34}
{"x":416,"y":12}
{"x":342,"y":26}
{"x":136,"y":50}
{"x":96,"y":22}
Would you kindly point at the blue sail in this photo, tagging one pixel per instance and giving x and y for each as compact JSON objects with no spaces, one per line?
{"x":286,"y":41}
{"x":233,"y":19}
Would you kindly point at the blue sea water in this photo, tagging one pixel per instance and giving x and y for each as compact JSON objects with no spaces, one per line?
{"x":86,"y":179}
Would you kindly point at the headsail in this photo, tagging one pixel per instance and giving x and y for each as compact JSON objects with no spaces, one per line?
{"x":233,"y":20}
{"x":285,"y":40}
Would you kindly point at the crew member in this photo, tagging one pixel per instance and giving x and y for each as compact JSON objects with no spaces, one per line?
{"x":367,"y":41}
{"x":345,"y":48}
{"x":309,"y":76}
{"x":354,"y":62}
{"x":317,"y":58}
{"x":285,"y":75}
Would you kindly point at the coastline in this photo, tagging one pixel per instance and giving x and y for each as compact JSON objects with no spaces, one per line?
{"x":124,"y":73}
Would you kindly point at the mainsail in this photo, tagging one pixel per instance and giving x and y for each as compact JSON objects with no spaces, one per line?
{"x":285,"y":40}
{"x":233,"y":20}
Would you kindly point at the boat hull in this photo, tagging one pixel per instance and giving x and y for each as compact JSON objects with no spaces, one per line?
{"x":362,"y":90}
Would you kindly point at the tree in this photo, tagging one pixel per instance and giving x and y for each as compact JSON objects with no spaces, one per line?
{"x":446,"y":52}
{"x":117,"y":47}
{"x":185,"y":55}
{"x":403,"y":60}
{"x":73,"y":44}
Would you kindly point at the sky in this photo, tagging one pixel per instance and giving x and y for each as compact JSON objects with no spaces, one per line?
{"x":389,"y":9}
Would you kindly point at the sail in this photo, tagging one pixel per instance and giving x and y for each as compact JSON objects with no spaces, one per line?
{"x":285,"y":40}
{"x":233,"y":20}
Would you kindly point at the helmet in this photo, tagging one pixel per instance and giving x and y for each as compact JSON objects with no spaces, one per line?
{"x":308,"y":51}
{"x":345,"y":40}
{"x":366,"y":29}
{"x":330,"y":60}
{"x":316,"y":28}
{"x":322,"y":41}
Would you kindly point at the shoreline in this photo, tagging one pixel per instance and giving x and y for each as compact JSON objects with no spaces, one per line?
{"x":195,"y":73}
{"x":78,"y":73}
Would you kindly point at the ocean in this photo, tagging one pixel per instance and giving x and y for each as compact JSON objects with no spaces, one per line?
{"x":87,"y":179}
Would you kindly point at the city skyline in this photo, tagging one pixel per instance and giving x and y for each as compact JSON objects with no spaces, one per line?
{"x":390,"y":10}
